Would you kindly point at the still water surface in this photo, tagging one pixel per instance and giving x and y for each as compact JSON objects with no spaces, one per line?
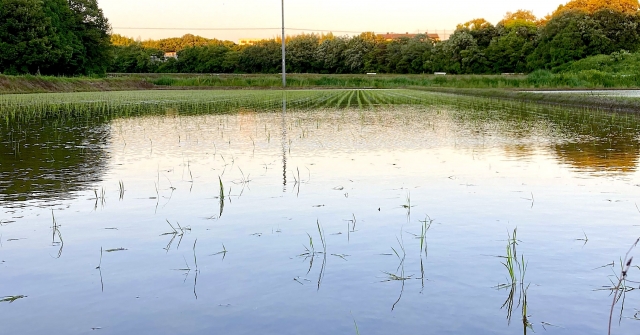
{"x":120,"y":228}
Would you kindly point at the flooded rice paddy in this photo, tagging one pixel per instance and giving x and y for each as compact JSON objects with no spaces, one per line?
{"x":345,"y":212}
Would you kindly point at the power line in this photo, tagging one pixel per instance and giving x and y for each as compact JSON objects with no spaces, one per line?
{"x":445,"y":32}
{"x":164,"y":28}
{"x":239,"y":29}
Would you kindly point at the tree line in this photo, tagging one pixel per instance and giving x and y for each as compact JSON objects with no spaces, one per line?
{"x":72,"y":37}
{"x":55,"y":37}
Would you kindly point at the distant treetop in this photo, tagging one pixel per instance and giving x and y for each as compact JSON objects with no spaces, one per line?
{"x":119,"y":40}
{"x":592,"y":6}
{"x":475,"y":24}
{"x":519,"y":18}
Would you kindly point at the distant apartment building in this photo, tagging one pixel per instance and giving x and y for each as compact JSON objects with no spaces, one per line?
{"x":394,"y":36}
{"x":249,"y":41}
{"x":168,"y":55}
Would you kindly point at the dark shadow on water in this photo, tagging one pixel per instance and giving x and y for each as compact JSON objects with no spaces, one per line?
{"x":586,"y":140}
{"x":50,"y":159}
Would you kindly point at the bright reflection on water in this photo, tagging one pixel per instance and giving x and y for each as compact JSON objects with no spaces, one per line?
{"x":166,"y":255}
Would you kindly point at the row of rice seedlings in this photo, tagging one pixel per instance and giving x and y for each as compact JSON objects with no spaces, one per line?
{"x":365,"y":98}
{"x":350,"y":99}
{"x":323,"y":100}
{"x":382,"y":98}
{"x":335,"y":100}
{"x":344,"y":96}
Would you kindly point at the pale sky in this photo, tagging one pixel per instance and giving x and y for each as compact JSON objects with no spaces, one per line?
{"x":398,"y":16}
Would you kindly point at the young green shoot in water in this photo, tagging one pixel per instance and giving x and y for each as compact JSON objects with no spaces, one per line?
{"x":516,"y":269}
{"x":223,"y":252}
{"x":121,"y":186}
{"x":407,"y":205}
{"x":620,"y":288}
{"x":12,"y":298}
{"x":56,"y":232}
{"x":355,"y":324}
{"x":221,"y":196}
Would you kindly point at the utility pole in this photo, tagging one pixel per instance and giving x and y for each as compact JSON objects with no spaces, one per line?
{"x":284,"y":70}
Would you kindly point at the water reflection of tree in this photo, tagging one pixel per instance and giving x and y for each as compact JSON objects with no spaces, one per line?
{"x":587,"y":140}
{"x":50,"y":158}
{"x":616,"y":153}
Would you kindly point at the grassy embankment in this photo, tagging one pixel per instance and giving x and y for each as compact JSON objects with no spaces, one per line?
{"x":46,"y":84}
{"x":585,"y":79}
{"x":539,"y":80}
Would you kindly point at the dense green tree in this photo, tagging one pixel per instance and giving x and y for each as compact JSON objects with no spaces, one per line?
{"x":119,"y":40}
{"x":28,"y":40}
{"x":330,"y":55}
{"x":357,"y":49}
{"x":301,"y":53}
{"x":176,"y":44}
{"x":592,"y":6}
{"x":263,"y":57}
{"x":204,"y":59}
{"x":563,"y":39}
{"x":508,"y":53}
{"x":518,"y":43}
{"x":615,"y":31}
{"x":136,"y":59}
{"x":576,"y":34}
{"x":452,"y":55}
{"x":484,"y":33}
{"x":519,"y":18}
{"x":92,"y":28}
{"x":53,"y":37}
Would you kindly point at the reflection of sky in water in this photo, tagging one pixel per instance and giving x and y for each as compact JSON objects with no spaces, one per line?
{"x":476,"y":178}
{"x":611,"y":93}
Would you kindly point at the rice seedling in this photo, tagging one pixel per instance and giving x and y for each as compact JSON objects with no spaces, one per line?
{"x":351,"y":226}
{"x":343,"y":256}
{"x":179,"y":232}
{"x":516,"y":269}
{"x":99,"y":268}
{"x":620,"y":289}
{"x":12,"y":298}
{"x":187,"y":270}
{"x":244,"y":181}
{"x":116,"y":249}
{"x":355,"y":324}
{"x":511,"y":262}
{"x":310,"y":252}
{"x":585,"y":239}
{"x":221,"y":197}
{"x":195,"y":258}
{"x":407,"y":205}
{"x":425,"y":226}
{"x":296,"y":182}
{"x":56,"y":232}
{"x":121,"y":188}
{"x":525,"y":317}
{"x":322,"y":235}
{"x":189,"y":168}
{"x":223,"y":252}
{"x":399,"y":274}
{"x":99,"y":197}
